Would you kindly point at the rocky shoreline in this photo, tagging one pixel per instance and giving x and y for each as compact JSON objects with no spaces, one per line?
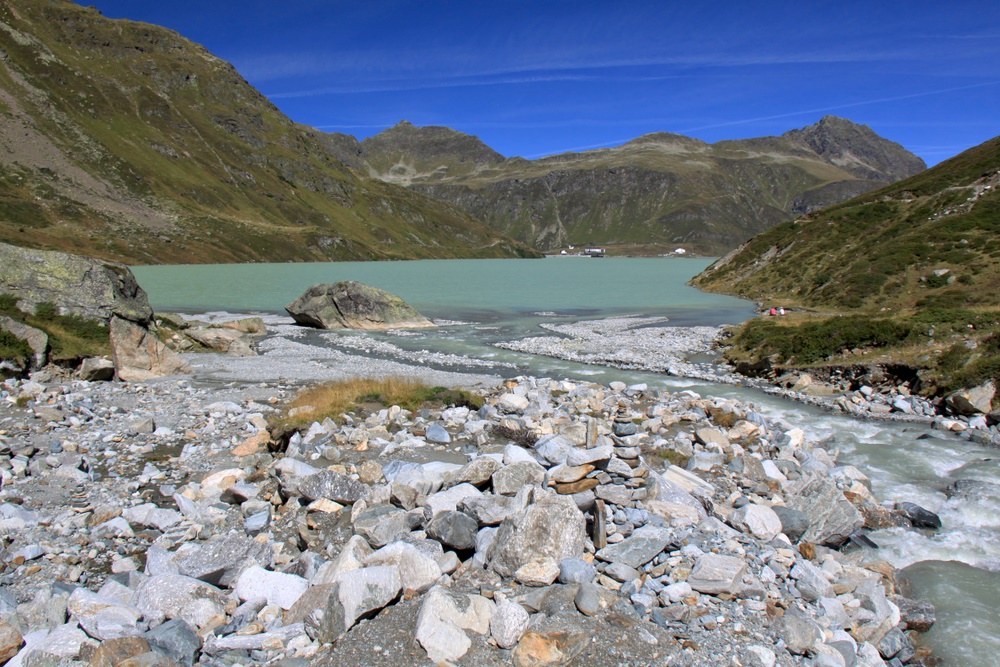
{"x":160,"y":523}
{"x":642,"y":343}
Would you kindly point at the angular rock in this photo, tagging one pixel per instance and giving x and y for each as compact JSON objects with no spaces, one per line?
{"x":225,"y":340}
{"x":139,"y":355}
{"x":978,"y":400}
{"x":332,"y":485}
{"x":832,"y":518}
{"x":277,"y":588}
{"x":10,"y":641}
{"x":810,"y":581}
{"x":553,"y":527}
{"x":177,"y":596}
{"x":445,"y":616}
{"x":448,"y":500}
{"x":357,"y":594}
{"x":476,"y":472}
{"x":639,"y":548}
{"x":550,"y":649}
{"x":715,"y":574}
{"x":101,"y":617}
{"x":418,"y":570}
{"x":96,"y":369}
{"x":352,"y":305}
{"x":508,"y":480}
{"x":455,"y":530}
{"x":176,"y":639}
{"x":219,"y":562}
{"x":576,"y":571}
{"x":799,"y":634}
{"x":757,"y":520}
{"x":579,"y":456}
{"x":541,"y":572}
{"x":382,"y":524}
{"x":918,"y":516}
{"x":114,"y":652}
{"x":794,"y":523}
{"x":508,"y":623}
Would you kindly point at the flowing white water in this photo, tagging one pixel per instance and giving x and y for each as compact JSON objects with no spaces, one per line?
{"x":485,"y":301}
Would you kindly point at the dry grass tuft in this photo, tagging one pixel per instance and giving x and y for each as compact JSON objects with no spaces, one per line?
{"x":333,"y":399}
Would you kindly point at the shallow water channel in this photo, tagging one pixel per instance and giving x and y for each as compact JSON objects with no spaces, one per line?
{"x":484,"y":301}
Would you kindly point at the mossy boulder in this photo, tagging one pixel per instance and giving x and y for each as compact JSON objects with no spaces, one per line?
{"x":352,"y":305}
{"x":75,"y":285}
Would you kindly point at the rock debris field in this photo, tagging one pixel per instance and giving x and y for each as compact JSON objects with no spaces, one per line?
{"x":169,"y":522}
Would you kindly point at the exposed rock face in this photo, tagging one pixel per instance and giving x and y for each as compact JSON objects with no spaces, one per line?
{"x":77,"y":285}
{"x":352,"y":305}
{"x":139,"y":355}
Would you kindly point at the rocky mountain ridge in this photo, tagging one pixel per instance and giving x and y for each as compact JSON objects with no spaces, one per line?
{"x":125,"y":141}
{"x":661,"y":190}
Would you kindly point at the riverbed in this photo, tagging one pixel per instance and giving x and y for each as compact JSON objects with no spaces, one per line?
{"x":480,"y":304}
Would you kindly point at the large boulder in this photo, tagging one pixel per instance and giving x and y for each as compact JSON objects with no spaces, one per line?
{"x":978,"y":400}
{"x":36,"y":339}
{"x":90,"y":288}
{"x":139,"y":355}
{"x":553,"y":528}
{"x":832,"y":518}
{"x":352,"y":305}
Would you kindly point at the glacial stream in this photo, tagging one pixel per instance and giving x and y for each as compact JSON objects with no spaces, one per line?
{"x":486,"y":301}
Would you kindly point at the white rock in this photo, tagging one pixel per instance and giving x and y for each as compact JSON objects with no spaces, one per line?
{"x":102,"y":617}
{"x":756,"y":520}
{"x":351,"y":557}
{"x":418,"y":571}
{"x":276,"y":587}
{"x":509,"y":622}
{"x":357,"y":593}
{"x":443,"y":619}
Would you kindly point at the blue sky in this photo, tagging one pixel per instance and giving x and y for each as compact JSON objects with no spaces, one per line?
{"x":532,"y":78}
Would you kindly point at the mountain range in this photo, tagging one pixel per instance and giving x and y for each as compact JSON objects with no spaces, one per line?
{"x":659,"y":191}
{"x":126,"y":141}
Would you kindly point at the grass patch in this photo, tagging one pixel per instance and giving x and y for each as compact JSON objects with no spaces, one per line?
{"x":334,"y":399}
{"x":71,"y":337}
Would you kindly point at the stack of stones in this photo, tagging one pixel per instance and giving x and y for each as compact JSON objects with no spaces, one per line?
{"x":564,"y":535}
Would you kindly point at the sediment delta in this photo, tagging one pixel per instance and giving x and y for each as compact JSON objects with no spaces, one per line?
{"x":561,"y":523}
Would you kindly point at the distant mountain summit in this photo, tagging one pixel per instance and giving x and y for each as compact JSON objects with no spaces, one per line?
{"x":659,"y":190}
{"x":858,"y":150}
{"x":125,"y":141}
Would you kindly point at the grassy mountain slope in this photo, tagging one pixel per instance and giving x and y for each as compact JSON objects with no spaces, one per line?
{"x":126,"y":141}
{"x":661,"y":190}
{"x":914,"y":265}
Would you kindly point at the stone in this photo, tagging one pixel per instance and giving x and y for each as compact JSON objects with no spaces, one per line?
{"x":715,"y":574}
{"x":978,"y":400}
{"x":93,"y":289}
{"x":476,"y":472}
{"x":810,"y":582}
{"x":576,"y":571}
{"x":418,"y":571}
{"x":508,"y":623}
{"x":488,"y":510}
{"x":176,"y":639}
{"x":675,"y":514}
{"x":756,"y":520}
{"x":799,"y":634}
{"x":553,"y":527}
{"x":277,"y":588}
{"x":382,"y":524}
{"x":101,"y":617}
{"x":918,"y":516}
{"x":711,"y":436}
{"x":508,"y":480}
{"x":349,"y":304}
{"x":588,"y":599}
{"x":541,"y":572}
{"x":676,"y":591}
{"x":832,"y":518}
{"x":759,"y":656}
{"x":177,"y":596}
{"x":554,"y":448}
{"x":918,"y":615}
{"x":550,"y":649}
{"x":332,"y":485}
{"x":448,"y":500}
{"x":225,"y":340}
{"x":512,"y":404}
{"x":565,"y":474}
{"x":139,"y":355}
{"x":10,"y":641}
{"x":113,"y":652}
{"x":443,"y":619}
{"x":219,"y":561}
{"x":639,"y":548}
{"x":437,"y":434}
{"x":37,"y":340}
{"x":356,"y":594}
{"x":96,"y":369}
{"x":579,"y":456}
{"x":794,"y":523}
{"x":615,"y":494}
{"x":454,"y":529}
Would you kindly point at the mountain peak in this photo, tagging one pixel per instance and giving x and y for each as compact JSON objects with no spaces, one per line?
{"x":857,"y":149}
